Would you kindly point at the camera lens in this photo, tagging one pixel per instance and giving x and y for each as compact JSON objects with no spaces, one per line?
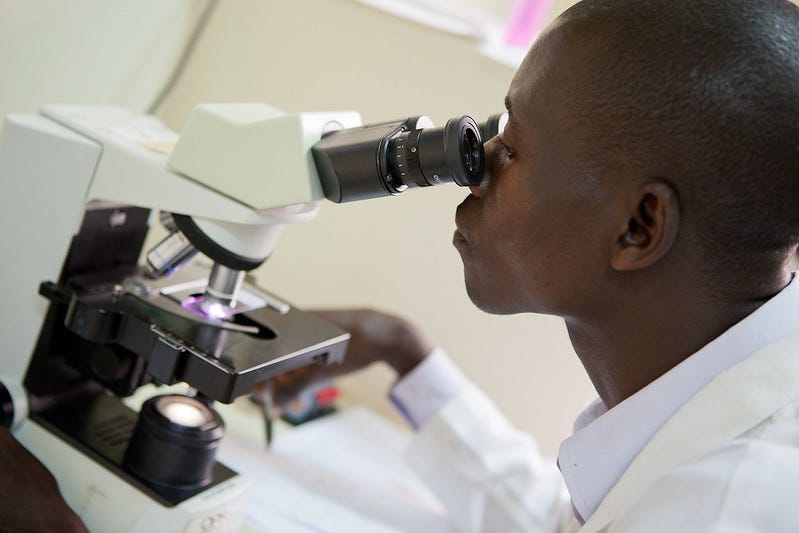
{"x":388,"y":158}
{"x":425,"y":157}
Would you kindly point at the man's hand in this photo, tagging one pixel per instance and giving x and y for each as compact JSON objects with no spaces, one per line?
{"x":31,"y":500}
{"x":375,"y":336}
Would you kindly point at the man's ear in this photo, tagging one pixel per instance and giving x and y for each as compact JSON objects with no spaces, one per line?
{"x":653,"y":220}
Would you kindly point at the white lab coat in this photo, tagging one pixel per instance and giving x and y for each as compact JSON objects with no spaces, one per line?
{"x":727,"y":460}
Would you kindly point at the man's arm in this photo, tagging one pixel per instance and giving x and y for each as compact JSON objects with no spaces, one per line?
{"x":489,"y":475}
{"x":31,"y":500}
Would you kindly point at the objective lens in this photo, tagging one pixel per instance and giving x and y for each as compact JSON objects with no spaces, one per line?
{"x":166,"y":257}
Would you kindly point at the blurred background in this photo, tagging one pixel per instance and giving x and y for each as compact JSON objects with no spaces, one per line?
{"x":386,"y":59}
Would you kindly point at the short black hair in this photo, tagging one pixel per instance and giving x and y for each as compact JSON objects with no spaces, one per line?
{"x":709,"y":91}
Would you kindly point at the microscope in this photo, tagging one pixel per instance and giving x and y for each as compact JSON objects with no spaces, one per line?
{"x":92,"y":316}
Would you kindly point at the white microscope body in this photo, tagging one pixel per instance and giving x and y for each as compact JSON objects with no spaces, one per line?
{"x":240,"y":172}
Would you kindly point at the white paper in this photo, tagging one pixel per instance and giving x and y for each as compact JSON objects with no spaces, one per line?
{"x":339,"y":474}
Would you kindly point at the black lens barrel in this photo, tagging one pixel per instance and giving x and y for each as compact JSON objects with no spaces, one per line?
{"x":388,"y":158}
{"x":493,"y":126}
{"x":452,"y":153}
{"x":171,"y":454}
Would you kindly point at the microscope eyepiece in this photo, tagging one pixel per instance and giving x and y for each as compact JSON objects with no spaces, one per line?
{"x":438,"y":155}
{"x":388,"y":158}
{"x":493,"y":126}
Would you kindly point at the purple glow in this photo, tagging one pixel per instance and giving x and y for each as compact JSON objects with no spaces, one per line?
{"x":211,"y":310}
{"x":216,"y":310}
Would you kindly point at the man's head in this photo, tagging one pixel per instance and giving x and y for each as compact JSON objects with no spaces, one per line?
{"x":647,"y":138}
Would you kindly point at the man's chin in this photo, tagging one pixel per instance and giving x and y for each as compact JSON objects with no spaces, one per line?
{"x":490,"y":303}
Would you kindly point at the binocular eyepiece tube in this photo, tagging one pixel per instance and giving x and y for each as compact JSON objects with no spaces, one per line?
{"x":388,"y":158}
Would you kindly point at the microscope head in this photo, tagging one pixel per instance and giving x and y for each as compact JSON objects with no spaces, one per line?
{"x":260,"y":157}
{"x":255,"y":154}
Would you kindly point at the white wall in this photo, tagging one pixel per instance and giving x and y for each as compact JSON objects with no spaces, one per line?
{"x":392,"y":253}
{"x":90,"y":51}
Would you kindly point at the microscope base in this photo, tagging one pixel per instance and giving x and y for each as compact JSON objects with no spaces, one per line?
{"x":107,"y":503}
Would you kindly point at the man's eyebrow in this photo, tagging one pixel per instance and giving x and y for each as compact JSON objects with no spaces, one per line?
{"x":507,"y":105}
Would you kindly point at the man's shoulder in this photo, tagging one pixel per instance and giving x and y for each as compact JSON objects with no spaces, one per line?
{"x":746,"y":484}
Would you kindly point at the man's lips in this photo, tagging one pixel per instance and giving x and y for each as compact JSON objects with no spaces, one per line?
{"x":460,"y":235}
{"x":458,"y":238}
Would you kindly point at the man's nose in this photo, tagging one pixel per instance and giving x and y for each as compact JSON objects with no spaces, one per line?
{"x":490,"y":148}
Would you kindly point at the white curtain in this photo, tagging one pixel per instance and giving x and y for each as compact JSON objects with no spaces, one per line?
{"x":504,"y":28}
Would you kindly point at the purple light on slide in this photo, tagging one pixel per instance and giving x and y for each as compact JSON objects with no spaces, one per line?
{"x":211,"y":310}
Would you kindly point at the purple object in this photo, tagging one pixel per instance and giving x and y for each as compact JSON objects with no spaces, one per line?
{"x":209,"y":309}
{"x":526,"y":21}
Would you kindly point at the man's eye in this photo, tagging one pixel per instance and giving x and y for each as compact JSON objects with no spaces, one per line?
{"x":507,"y":151}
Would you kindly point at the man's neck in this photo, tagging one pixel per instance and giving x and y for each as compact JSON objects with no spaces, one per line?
{"x":625,"y":351}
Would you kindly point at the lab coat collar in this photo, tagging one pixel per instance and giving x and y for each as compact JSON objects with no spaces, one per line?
{"x":606,"y":442}
{"x":730,"y":406}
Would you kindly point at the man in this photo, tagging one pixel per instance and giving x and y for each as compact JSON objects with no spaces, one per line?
{"x":645,"y":191}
